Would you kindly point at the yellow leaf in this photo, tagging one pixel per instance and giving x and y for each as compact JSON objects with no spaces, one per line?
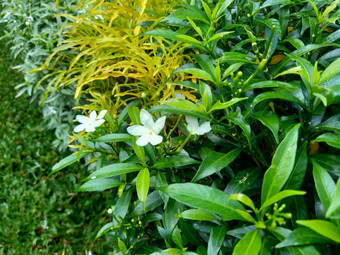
{"x":314,"y":147}
{"x":276,"y":59}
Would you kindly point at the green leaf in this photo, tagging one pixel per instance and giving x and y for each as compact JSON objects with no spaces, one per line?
{"x":134,"y":114}
{"x":175,"y":161}
{"x":275,"y":2}
{"x":250,"y":244}
{"x":335,"y":204}
{"x":281,"y":166}
{"x":183,"y":104}
{"x":329,"y":138}
{"x":324,"y":184}
{"x":69,"y":160}
{"x":244,"y":199}
{"x":215,"y":162}
{"x":204,"y":197}
{"x":192,"y":12}
{"x":243,"y":180}
{"x":192,"y":69}
{"x":122,"y":247}
{"x":324,"y":228}
{"x":267,"y":84}
{"x":330,"y":71}
{"x":207,"y":63}
{"x":302,"y":236}
{"x":123,"y":203}
{"x":175,"y":110}
{"x":139,"y":150}
{"x":298,"y":174}
{"x":270,"y":120}
{"x":153,"y":200}
{"x":113,"y":138}
{"x":216,"y":238}
{"x":177,"y":238}
{"x":105,"y":229}
{"x":197,"y":214}
{"x":218,"y":105}
{"x":279,"y":196}
{"x":328,"y":161}
{"x":189,"y":232}
{"x":238,"y":119}
{"x":236,"y":57}
{"x":142,"y":185}
{"x":114,"y":170}
{"x":99,"y":184}
{"x":331,"y":124}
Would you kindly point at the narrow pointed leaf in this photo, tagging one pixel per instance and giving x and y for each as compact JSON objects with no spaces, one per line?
{"x":216,"y":238}
{"x":250,"y":244}
{"x":324,"y":228}
{"x":114,"y":170}
{"x":142,"y":185}
{"x":99,"y":184}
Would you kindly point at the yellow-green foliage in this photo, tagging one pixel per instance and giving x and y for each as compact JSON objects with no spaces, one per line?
{"x":109,"y":59}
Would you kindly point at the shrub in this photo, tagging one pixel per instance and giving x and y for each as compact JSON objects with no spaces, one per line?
{"x":228,"y":173}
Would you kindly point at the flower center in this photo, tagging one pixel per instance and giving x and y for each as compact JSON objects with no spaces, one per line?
{"x":150,"y":133}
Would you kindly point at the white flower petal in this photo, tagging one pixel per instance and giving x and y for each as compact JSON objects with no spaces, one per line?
{"x":143,"y":140}
{"x":98,"y":123}
{"x":82,"y":119}
{"x":179,"y":95}
{"x":204,"y":128}
{"x":137,"y":130}
{"x":102,"y":114}
{"x":155,"y":139}
{"x":146,"y":119}
{"x":79,"y":128}
{"x":90,"y":129}
{"x":159,"y":125}
{"x":192,"y":123}
{"x":93,"y":115}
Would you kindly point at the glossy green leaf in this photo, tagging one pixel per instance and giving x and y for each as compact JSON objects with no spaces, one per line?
{"x":282,"y":165}
{"x":236,"y":57}
{"x":153,"y":200}
{"x":330,"y":71}
{"x":105,"y":229}
{"x":267,"y":84}
{"x":133,"y":112}
{"x":122,"y":247}
{"x":250,"y":244}
{"x":177,"y":238}
{"x":192,"y":69}
{"x":182,"y":13}
{"x":175,"y":161}
{"x":328,"y":161}
{"x":69,"y":160}
{"x":322,"y":227}
{"x":335,"y":204}
{"x":123,"y":204}
{"x":215,"y":162}
{"x":183,"y":104}
{"x":142,"y":185}
{"x":216,"y":238}
{"x":324,"y":184}
{"x":329,"y":138}
{"x":204,"y":197}
{"x":302,"y":236}
{"x":279,"y":196}
{"x":331,"y":124}
{"x":243,"y":180}
{"x":197,"y":214}
{"x":244,"y":199}
{"x":99,"y":184}
{"x":207,"y":63}
{"x":114,"y":170}
{"x":298,"y":174}
{"x":219,"y":106}
{"x":275,"y":2}
{"x":270,"y":120}
{"x":240,"y":120}
{"x":189,"y":233}
{"x":176,"y":110}
{"x":113,"y":138}
{"x":139,"y":150}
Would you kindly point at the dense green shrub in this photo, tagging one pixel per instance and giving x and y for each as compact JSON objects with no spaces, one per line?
{"x":252,"y":166}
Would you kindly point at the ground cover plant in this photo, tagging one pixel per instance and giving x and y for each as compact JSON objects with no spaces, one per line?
{"x":214,"y":123}
{"x":39,"y":214}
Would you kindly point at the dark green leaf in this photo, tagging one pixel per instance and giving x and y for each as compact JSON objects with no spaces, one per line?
{"x":329,"y":138}
{"x":175,"y":161}
{"x":270,"y":120}
{"x":114,"y":170}
{"x":114,"y":138}
{"x":215,"y":162}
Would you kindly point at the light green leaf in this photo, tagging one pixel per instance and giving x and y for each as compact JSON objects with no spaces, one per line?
{"x":105,"y":229}
{"x":69,"y":160}
{"x":244,"y":199}
{"x":330,"y":71}
{"x":281,"y":166}
{"x":324,"y":228}
{"x":113,"y":138}
{"x":205,"y":198}
{"x":250,"y":244}
{"x":197,"y":214}
{"x":324,"y":184}
{"x":216,"y":238}
{"x":335,"y":204}
{"x":281,"y":195}
{"x":218,"y":105}
{"x":114,"y":170}
{"x":142,"y":185}
{"x":329,"y":138}
{"x":99,"y":184}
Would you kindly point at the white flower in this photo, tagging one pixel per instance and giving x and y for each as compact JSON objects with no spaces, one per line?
{"x":45,"y":225}
{"x":194,"y":128}
{"x":109,"y":211}
{"x":179,"y":95}
{"x":89,"y":124}
{"x":149,"y":131}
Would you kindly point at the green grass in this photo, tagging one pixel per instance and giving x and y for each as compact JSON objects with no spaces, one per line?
{"x":29,"y":199}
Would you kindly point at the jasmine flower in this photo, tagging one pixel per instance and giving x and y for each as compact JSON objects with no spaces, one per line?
{"x":149,"y":130}
{"x":194,"y":128}
{"x":89,"y":124}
